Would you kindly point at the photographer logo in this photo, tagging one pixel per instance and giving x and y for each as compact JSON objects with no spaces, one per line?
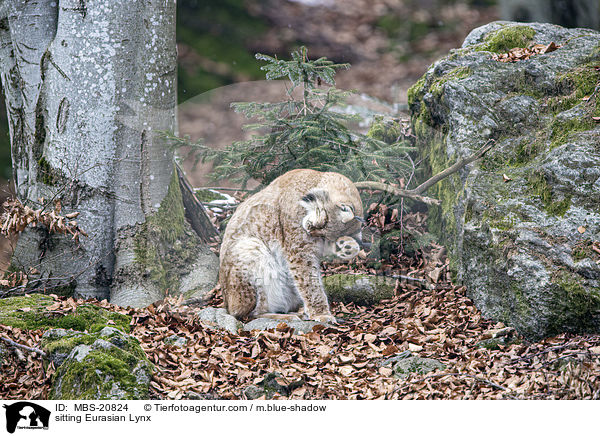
{"x":24,"y":415}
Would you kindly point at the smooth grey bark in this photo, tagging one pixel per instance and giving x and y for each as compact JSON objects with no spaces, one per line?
{"x":88,"y":85}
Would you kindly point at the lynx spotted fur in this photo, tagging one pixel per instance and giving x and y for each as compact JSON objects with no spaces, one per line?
{"x":271,"y":250}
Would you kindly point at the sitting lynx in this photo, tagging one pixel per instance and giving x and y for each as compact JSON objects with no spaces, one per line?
{"x":271,"y":251}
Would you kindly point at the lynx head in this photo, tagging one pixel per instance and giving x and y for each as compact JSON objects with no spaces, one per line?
{"x":331,"y":213}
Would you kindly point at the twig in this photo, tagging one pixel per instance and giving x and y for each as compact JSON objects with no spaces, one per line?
{"x":23,"y":347}
{"x":400,"y":276}
{"x":415,"y":193}
{"x":474,"y":377}
{"x":222,"y":188}
{"x":545,"y":350}
{"x":30,"y":288}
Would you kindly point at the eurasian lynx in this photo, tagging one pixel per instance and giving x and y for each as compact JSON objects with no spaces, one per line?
{"x":271,"y":251}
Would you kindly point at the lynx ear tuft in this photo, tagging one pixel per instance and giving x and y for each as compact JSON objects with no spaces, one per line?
{"x":314,"y":203}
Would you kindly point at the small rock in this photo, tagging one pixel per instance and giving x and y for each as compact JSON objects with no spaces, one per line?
{"x":176,"y":341}
{"x":269,"y":386}
{"x":413,"y":364}
{"x":80,"y":352}
{"x":110,"y":331}
{"x":359,"y":289}
{"x":300,"y":327}
{"x":191,"y":395}
{"x":217,"y":317}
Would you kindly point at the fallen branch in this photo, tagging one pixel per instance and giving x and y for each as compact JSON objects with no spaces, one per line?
{"x":415,"y":193}
{"x":23,"y":347}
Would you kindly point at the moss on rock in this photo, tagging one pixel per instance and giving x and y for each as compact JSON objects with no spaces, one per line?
{"x":359,"y":289}
{"x":415,"y":364}
{"x":386,"y":130}
{"x":541,"y":188}
{"x":506,"y":238}
{"x":29,"y":313}
{"x":208,"y":195}
{"x":165,"y":246}
{"x":454,"y":74}
{"x":574,"y":306}
{"x":105,"y":365}
{"x":502,"y":40}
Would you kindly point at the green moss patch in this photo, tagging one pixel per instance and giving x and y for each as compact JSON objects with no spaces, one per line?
{"x":416,"y":90}
{"x":208,"y":195}
{"x":105,"y":365}
{"x":508,"y":37}
{"x":574,"y":307}
{"x":360,"y":289}
{"x":414,"y":364}
{"x":573,"y":86}
{"x":541,"y":188}
{"x":562,"y":130}
{"x":165,"y":243}
{"x":455,"y":74}
{"x":29,"y":313}
{"x":385,"y":130}
{"x":102,"y":374}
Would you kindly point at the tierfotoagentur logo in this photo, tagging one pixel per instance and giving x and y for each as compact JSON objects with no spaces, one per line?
{"x":26,"y":415}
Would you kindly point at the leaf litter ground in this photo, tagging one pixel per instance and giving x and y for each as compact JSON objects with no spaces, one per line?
{"x":346,"y":361}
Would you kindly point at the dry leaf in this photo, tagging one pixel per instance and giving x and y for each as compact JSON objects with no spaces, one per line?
{"x":414,"y":348}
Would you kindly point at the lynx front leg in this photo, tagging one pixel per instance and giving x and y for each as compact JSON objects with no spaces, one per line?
{"x":306,"y":272}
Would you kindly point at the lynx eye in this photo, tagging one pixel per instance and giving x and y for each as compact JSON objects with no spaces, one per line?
{"x":346,"y":213}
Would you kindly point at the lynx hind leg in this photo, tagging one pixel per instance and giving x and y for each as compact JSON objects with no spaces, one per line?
{"x":259,"y":281}
{"x":346,"y":247}
{"x":239,"y":295}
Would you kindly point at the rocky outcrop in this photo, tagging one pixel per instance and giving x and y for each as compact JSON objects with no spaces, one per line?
{"x":107,"y":365}
{"x":523,"y":224}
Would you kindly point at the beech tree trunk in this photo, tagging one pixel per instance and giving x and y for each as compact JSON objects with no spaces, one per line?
{"x":88,"y":85}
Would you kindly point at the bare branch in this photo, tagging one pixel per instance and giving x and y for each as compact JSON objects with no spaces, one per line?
{"x":415,"y":193}
{"x":23,"y":347}
{"x":454,"y":168}
{"x":378,"y":186}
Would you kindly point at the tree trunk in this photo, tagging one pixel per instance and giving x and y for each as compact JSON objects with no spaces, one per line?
{"x":88,"y":86}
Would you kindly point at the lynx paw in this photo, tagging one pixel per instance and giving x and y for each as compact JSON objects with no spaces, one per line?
{"x":346,"y":247}
{"x":326,"y":319}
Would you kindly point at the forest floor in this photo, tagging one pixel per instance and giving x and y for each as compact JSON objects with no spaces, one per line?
{"x":347,"y":361}
{"x":428,"y":318}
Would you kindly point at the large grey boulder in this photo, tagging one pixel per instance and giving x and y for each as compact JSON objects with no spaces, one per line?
{"x":521,"y":225}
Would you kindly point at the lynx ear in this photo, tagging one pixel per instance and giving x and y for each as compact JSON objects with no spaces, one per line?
{"x":316,"y":216}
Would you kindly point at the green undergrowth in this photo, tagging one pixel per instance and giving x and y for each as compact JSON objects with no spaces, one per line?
{"x":208,"y":195}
